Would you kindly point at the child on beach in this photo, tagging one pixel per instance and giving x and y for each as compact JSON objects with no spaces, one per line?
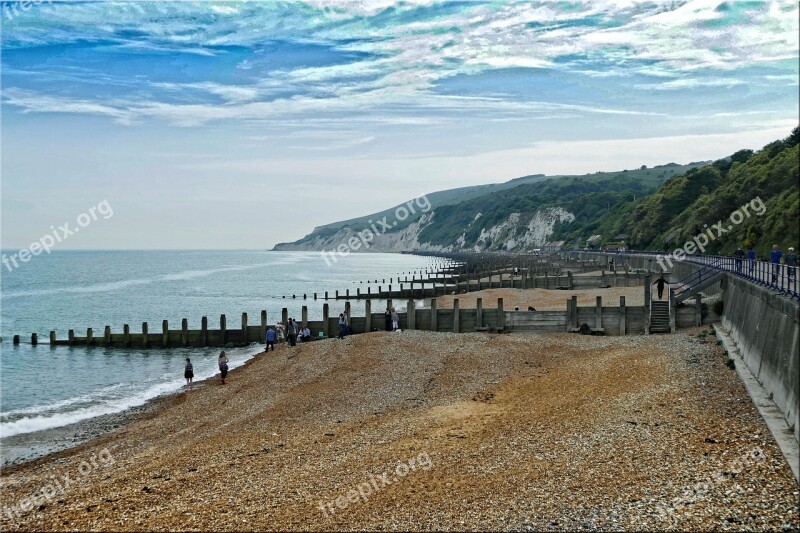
{"x":223,"y":367}
{"x":395,"y":320}
{"x":188,"y":373}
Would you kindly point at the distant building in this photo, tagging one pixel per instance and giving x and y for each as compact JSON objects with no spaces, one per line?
{"x":554,"y":246}
{"x":593,"y":241}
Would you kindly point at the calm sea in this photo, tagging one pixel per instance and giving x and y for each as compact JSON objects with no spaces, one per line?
{"x":44,"y":387}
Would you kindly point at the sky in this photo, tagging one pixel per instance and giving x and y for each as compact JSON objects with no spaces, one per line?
{"x":221,"y":125}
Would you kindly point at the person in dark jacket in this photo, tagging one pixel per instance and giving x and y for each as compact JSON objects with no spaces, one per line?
{"x":739,"y":256}
{"x":751,"y":259}
{"x":387,"y":316}
{"x":270,"y":340}
{"x":791,"y":263}
{"x":188,"y":373}
{"x":223,"y":367}
{"x":660,"y":283}
{"x":775,"y":258}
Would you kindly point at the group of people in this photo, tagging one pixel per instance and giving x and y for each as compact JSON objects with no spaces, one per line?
{"x":776,"y":258}
{"x":391,"y":319}
{"x":222,"y":362}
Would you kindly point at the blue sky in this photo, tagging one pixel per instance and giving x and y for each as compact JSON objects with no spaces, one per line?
{"x":242,"y":124}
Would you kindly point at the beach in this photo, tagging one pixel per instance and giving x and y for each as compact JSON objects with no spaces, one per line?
{"x":419,"y":430}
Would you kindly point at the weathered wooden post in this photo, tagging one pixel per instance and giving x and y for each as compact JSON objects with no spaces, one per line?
{"x":336,"y":293}
{"x":434,"y":316}
{"x":358,"y":292}
{"x":456,"y":317}
{"x":647,"y":304}
{"x":304,"y":315}
{"x":479,"y":311}
{"x":223,"y":330}
{"x":244,"y":328}
{"x":325,"y":319}
{"x":52,"y":338}
{"x":569,"y":315}
{"x":501,"y":315}
{"x":126,"y":335}
{"x":698,"y":310}
{"x":599,"y":314}
{"x":204,"y":331}
{"x":89,"y":337}
{"x":326,"y":295}
{"x":315,"y":295}
{"x":71,"y":337}
{"x":574,"y":312}
{"x":368,"y":316}
{"x":145,"y":340}
{"x":347,"y":293}
{"x":411,"y":315}
{"x":165,"y":333}
{"x":569,"y":280}
{"x":184,"y":332}
{"x":622,"y":315}
{"x":263,"y":335}
{"x":15,"y":340}
{"x":672,"y":311}
{"x":107,"y":336}
{"x":34,"y":339}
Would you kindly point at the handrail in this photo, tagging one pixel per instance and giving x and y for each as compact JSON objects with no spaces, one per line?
{"x":779,"y":277}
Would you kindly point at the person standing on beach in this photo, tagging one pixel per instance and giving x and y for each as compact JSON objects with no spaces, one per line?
{"x":291,"y":331}
{"x":223,"y":367}
{"x":270,"y":340}
{"x":342,"y":326}
{"x":387,"y":316}
{"x":775,"y":258}
{"x":188,"y":373}
{"x":395,"y":320}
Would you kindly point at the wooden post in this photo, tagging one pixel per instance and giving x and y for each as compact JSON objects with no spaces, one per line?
{"x":599,"y":314}
{"x":126,"y":335}
{"x":326,"y":295}
{"x":698,"y":310}
{"x":304,"y":315}
{"x":52,"y":338}
{"x":15,"y":340}
{"x":145,"y":341}
{"x":574,"y":312}
{"x":263,"y":336}
{"x":244,"y":328}
{"x":165,"y":333}
{"x":569,"y":315}
{"x":325,"y":319}
{"x":456,"y":317}
{"x":410,"y":315}
{"x":285,"y":321}
{"x":34,"y":339}
{"x":347,"y":293}
{"x":569,"y":280}
{"x":479,"y":312}
{"x":223,"y":330}
{"x":185,"y":332}
{"x":672,"y":311}
{"x":204,"y":331}
{"x":347,"y":311}
{"x":647,"y":304}
{"x":107,"y":336}
{"x":368,"y":316}
{"x":434,"y":316}
{"x":501,"y":316}
{"x":622,"y":315}
{"x":89,"y":337}
{"x":71,"y":337}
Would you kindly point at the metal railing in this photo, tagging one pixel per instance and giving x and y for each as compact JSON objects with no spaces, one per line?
{"x":779,"y":277}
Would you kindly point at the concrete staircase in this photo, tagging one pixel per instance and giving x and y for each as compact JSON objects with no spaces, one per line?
{"x":659,"y":317}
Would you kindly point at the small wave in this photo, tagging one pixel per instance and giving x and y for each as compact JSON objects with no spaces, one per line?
{"x":100,"y":287}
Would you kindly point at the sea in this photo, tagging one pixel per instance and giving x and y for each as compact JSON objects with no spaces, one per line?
{"x":44,"y":387}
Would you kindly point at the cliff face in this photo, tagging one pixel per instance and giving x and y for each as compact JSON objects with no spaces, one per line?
{"x":518,"y":232}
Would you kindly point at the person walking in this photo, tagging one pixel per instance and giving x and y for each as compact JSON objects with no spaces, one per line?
{"x":751,"y":259}
{"x":660,"y":283}
{"x":223,"y":367}
{"x":775,"y":258}
{"x":387,"y":316}
{"x":791,"y":263}
{"x":395,"y":320}
{"x":738,"y":257}
{"x":188,"y":373}
{"x":270,"y":340}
